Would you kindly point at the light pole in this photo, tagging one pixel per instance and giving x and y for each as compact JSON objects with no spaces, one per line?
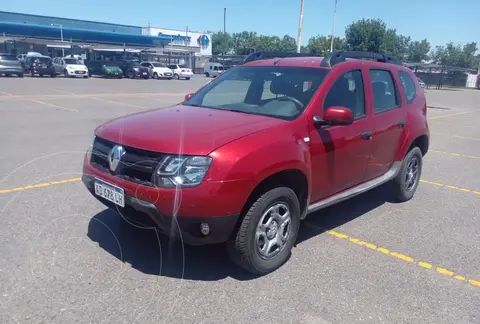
{"x":300,"y":24}
{"x":333,"y":26}
{"x":61,"y":37}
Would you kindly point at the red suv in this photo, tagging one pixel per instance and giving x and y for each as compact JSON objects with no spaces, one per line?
{"x":248,"y":156}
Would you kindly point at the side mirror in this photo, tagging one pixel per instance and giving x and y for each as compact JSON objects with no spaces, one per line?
{"x":188,"y":96}
{"x":335,"y":116}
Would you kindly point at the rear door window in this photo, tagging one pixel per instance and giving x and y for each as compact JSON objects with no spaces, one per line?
{"x":385,"y":92}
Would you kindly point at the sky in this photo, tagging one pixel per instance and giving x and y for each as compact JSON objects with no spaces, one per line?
{"x":440,"y":21}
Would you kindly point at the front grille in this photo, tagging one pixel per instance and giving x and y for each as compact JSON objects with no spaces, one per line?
{"x":136,"y":165}
{"x":80,"y":72}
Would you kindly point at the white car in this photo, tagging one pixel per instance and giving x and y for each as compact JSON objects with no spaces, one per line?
{"x":180,"y":71}
{"x":158,"y":70}
{"x":70,"y":67}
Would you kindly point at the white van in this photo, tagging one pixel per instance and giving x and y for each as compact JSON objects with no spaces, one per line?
{"x":212,"y":69}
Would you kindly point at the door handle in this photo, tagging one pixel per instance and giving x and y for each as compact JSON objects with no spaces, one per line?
{"x":367,"y":136}
{"x":401,"y":124}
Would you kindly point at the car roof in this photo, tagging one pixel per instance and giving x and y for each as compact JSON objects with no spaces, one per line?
{"x":310,"y":62}
{"x":341,"y":58}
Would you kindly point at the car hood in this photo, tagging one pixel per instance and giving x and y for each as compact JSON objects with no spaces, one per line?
{"x":77,"y":66}
{"x":183,"y":129}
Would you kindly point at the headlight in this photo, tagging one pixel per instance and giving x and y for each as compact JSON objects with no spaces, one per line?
{"x":90,"y":148}
{"x":181,"y":171}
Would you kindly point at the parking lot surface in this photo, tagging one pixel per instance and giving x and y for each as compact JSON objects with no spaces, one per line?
{"x":64,"y":258}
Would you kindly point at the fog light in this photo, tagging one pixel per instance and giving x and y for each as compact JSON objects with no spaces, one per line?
{"x":204,"y":228}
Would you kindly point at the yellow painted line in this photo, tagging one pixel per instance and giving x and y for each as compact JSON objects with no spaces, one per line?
{"x":457,"y":154}
{"x":39,"y":185}
{"x":88,"y":95}
{"x":398,"y":256}
{"x":450,"y":115}
{"x":450,"y":187}
{"x":52,"y":105}
{"x":458,"y":136}
{"x":62,"y":91}
{"x":119,"y":103}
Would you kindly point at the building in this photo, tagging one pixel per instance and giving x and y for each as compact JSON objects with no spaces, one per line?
{"x":54,"y":36}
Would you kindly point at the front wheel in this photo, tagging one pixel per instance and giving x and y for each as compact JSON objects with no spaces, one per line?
{"x":267,"y":233}
{"x":406,"y":182}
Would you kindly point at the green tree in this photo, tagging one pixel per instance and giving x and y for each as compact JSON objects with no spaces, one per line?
{"x":418,"y":50}
{"x":321,"y":44}
{"x":222,"y":43}
{"x":244,"y":42}
{"x":288,"y":44}
{"x":395,"y":44}
{"x":365,"y":35}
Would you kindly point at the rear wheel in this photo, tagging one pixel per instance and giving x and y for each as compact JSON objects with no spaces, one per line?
{"x":406,"y":182}
{"x":155,"y":75}
{"x":267,"y":232}
{"x":187,"y":78}
{"x":20,"y":75}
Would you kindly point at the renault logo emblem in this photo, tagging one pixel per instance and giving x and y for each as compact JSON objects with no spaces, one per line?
{"x":115,"y":156}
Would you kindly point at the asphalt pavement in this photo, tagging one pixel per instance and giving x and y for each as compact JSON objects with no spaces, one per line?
{"x":64,"y":258}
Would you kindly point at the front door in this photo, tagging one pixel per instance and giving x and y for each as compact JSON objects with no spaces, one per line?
{"x":342,"y":150}
{"x":390,"y":120}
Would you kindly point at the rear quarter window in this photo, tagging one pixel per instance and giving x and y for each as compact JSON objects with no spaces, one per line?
{"x":408,"y":85}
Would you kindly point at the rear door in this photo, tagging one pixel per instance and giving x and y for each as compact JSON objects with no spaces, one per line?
{"x":390,"y":118}
{"x":339,"y":154}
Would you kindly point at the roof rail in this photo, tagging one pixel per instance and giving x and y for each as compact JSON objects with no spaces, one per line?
{"x":261,"y":55}
{"x":341,"y":56}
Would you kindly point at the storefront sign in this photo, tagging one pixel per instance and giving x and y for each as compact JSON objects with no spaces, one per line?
{"x":176,"y":37}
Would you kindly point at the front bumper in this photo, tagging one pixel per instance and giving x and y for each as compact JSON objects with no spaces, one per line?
{"x":79,"y":73}
{"x":187,"y":229}
{"x":42,"y":70}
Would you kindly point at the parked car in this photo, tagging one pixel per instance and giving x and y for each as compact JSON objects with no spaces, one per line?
{"x":158,"y":70}
{"x":39,"y":65}
{"x":180,"y":71}
{"x":212,"y":69}
{"x":262,"y":146}
{"x":10,"y":65}
{"x":133,"y":70}
{"x":422,"y":84}
{"x":70,"y":67}
{"x":105,"y":69}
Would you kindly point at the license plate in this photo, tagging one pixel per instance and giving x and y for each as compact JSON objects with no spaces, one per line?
{"x":168,"y":74}
{"x":110,"y":192}
{"x":144,"y":73}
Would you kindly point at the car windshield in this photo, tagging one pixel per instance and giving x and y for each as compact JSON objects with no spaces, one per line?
{"x":282,"y":92}
{"x":158,"y":65}
{"x":135,"y":64}
{"x":42,"y":59}
{"x":71,"y":61}
{"x":182,"y":66}
{"x":110,"y":64}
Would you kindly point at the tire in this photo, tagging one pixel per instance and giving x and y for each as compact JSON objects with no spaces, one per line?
{"x":65,"y":73}
{"x":53,"y":75}
{"x":187,"y":78}
{"x":20,"y":75}
{"x":401,"y":189}
{"x":32,"y":74}
{"x":155,"y":75}
{"x":243,"y":247}
{"x":176,"y":76}
{"x":207,"y":75}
